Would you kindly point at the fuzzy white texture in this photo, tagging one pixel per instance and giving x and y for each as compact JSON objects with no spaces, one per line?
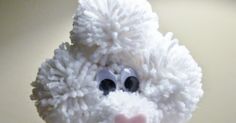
{"x":115,"y":34}
{"x":114,"y":25}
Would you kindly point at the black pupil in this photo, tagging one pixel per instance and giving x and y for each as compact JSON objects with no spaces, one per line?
{"x":132,"y":84}
{"x":107,"y":86}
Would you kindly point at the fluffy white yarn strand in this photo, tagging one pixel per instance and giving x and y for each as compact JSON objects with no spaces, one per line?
{"x":114,"y":25}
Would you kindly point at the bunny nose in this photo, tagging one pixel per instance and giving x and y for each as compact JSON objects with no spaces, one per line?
{"x":136,"y":119}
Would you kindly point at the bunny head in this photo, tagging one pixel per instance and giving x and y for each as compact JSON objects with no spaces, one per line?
{"x":118,"y":69}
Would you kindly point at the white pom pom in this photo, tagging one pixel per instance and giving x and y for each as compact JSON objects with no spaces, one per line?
{"x":114,"y":25}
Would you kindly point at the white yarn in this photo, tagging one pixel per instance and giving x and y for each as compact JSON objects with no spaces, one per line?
{"x":125,"y":103}
{"x":114,"y":25}
{"x":114,"y":34}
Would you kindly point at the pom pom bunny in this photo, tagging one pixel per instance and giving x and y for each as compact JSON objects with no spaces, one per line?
{"x":118,"y":69}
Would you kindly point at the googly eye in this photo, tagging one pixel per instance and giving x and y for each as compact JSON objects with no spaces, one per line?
{"x":107,"y":81}
{"x":130,"y":80}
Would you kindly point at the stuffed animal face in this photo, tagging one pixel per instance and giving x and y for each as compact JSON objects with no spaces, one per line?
{"x":118,"y":69}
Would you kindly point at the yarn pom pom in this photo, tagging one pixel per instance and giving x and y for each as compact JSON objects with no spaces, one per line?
{"x":114,"y":25}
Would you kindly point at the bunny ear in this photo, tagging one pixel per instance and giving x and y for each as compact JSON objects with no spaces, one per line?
{"x":114,"y":25}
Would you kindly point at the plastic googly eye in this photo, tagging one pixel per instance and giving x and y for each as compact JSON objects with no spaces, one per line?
{"x":107,"y":81}
{"x":129,"y":79}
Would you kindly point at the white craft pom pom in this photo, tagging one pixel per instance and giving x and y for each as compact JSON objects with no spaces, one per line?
{"x":114,"y":25}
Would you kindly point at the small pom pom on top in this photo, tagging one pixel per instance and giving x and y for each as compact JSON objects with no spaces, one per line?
{"x":114,"y":25}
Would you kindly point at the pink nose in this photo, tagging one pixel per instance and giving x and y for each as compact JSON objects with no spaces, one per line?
{"x":136,"y":119}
